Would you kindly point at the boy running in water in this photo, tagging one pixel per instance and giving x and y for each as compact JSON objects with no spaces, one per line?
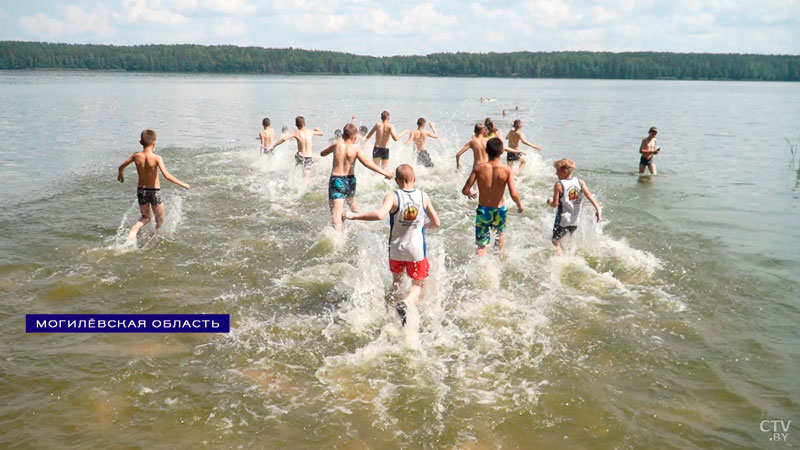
{"x":384,"y":130}
{"x":648,"y":150}
{"x":418,"y":138}
{"x":148,"y":192}
{"x":267,"y":136}
{"x":514,"y":138}
{"x":478,"y":145}
{"x":567,"y":196}
{"x":303,"y":137}
{"x":342,"y":184}
{"x":492,"y":178}
{"x":408,"y":209}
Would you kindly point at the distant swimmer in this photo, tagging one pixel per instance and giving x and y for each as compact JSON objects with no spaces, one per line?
{"x":342,"y":184}
{"x":148,"y":192}
{"x":418,"y":137}
{"x":478,"y":145}
{"x":303,"y":137}
{"x":411,"y":212}
{"x":567,"y":194}
{"x":492,"y":178}
{"x":516,"y":108}
{"x":382,"y":130}
{"x":648,"y":150}
{"x":514,"y":138}
{"x":267,"y":136}
{"x":505,"y":113}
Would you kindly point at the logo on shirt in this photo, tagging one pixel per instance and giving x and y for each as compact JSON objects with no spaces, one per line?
{"x":410,"y":213}
{"x":572,"y":194}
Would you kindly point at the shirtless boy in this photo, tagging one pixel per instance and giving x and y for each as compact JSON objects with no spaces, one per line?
{"x":382,"y":130}
{"x":492,"y":178}
{"x":648,"y":149}
{"x":407,"y":252}
{"x":267,"y":136}
{"x":342,"y":184}
{"x":514,"y":138}
{"x":303,"y":137}
{"x":148,"y":192}
{"x":567,"y":194}
{"x":418,"y":137}
{"x":478,"y":145}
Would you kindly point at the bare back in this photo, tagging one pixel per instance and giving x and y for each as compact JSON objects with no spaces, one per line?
{"x":478,"y":146}
{"x":303,"y":138}
{"x":383,"y":131}
{"x":492,"y":178}
{"x":418,"y":138}
{"x":344,"y":158}
{"x":267,"y":138}
{"x":147,"y":169}
{"x":514,"y":138}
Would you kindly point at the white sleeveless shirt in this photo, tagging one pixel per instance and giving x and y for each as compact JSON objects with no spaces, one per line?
{"x":407,"y":227}
{"x":569,"y":204}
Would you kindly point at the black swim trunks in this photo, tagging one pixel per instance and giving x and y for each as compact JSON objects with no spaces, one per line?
{"x":559,"y":231}
{"x":380,"y":152}
{"x":148,"y":195}
{"x":512,"y":156}
{"x":304,"y":161}
{"x":424,"y":158}
{"x":340,"y":187}
{"x":645,"y":161}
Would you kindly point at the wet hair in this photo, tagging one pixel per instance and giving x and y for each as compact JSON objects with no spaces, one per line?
{"x":494,"y":148}
{"x":265,"y":122}
{"x":363,"y":129}
{"x":147,"y":138}
{"x":348,"y":131}
{"x":404,"y":173}
{"x":337,"y":132}
{"x":299,"y":121}
{"x":564,"y":163}
{"x":384,"y":115}
{"x":517,"y":124}
{"x":479,"y":128}
{"x":653,"y":129}
{"x":421,"y":122}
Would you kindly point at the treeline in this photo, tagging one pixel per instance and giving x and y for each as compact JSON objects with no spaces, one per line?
{"x":232,"y":59}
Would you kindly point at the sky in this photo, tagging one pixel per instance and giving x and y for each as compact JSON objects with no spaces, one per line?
{"x":383,"y":28}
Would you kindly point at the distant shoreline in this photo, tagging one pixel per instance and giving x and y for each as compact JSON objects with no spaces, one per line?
{"x":189,"y":59}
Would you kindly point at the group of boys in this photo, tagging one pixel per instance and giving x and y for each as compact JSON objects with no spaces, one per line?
{"x":410,"y":210}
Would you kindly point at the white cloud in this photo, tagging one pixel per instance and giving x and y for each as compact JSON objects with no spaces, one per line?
{"x":76,"y":21}
{"x":229,"y":28}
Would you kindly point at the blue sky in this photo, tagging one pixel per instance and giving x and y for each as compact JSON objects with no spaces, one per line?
{"x":417,"y":27}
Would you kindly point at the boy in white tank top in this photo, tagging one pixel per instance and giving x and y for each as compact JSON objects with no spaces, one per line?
{"x":408,"y":209}
{"x":567,"y":197}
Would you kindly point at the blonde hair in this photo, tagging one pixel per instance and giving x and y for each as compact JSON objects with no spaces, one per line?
{"x":564,"y":163}
{"x":404,"y":173}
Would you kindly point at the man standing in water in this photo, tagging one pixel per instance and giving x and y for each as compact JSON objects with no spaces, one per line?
{"x":492,"y":178}
{"x":418,"y":138}
{"x":382,"y":130}
{"x":342,"y":184}
{"x":303,"y":137}
{"x":514,"y":138}
{"x":648,"y":149}
{"x":148,"y":193}
{"x":409,"y":208}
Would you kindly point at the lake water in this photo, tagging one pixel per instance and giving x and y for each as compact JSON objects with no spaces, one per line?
{"x":673,"y":324}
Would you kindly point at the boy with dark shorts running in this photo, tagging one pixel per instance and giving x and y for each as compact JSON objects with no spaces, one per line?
{"x":303,"y":137}
{"x":418,"y":137}
{"x":411,"y":212}
{"x":342,"y":184}
{"x":514,"y":138}
{"x":267,"y":136}
{"x":383,"y":131}
{"x":567,"y":197}
{"x":492,"y":178}
{"x":148,"y":192}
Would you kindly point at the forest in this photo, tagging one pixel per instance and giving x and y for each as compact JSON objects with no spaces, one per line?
{"x":16,"y":55}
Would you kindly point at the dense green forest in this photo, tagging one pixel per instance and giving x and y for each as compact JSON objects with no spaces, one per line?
{"x":232,"y":59}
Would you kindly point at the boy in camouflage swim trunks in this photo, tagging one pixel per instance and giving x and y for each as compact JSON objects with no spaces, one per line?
{"x":148,"y":194}
{"x":342,"y":184}
{"x":492,"y":178}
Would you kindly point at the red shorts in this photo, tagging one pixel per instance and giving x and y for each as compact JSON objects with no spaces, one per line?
{"x":415,"y":270}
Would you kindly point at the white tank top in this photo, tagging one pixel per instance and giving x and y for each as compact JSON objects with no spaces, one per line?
{"x":407,"y":232}
{"x":569,"y":205}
